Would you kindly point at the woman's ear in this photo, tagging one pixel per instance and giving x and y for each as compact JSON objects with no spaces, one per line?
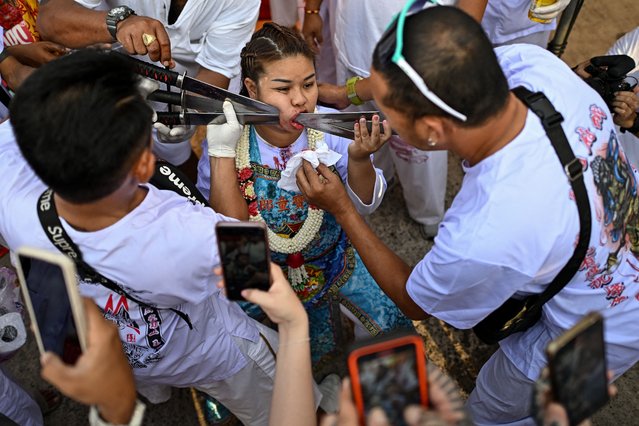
{"x":144,"y":167}
{"x":251,"y":87}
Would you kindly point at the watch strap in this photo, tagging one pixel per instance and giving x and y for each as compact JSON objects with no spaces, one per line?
{"x":112,"y":19}
{"x":350,"y":90}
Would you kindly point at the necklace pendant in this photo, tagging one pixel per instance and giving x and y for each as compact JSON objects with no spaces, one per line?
{"x":295,"y":260}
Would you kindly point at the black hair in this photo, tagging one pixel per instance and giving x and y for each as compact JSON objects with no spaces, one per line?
{"x":81,"y":122}
{"x":271,"y":43}
{"x":453,"y":55}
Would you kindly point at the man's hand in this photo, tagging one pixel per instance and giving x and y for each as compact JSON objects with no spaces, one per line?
{"x":130,"y":33}
{"x":625,"y":106}
{"x":312,"y":31}
{"x":331,"y":94}
{"x":323,"y":188}
{"x":101,"y":376}
{"x":38,"y":53}
{"x":366,"y":143}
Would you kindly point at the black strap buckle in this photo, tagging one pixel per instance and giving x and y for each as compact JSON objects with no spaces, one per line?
{"x":574,"y":170}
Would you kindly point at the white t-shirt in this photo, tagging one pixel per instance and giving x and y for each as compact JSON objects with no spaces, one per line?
{"x":505,"y":20}
{"x":514,"y":224}
{"x":164,"y":252}
{"x":270,"y":156}
{"x":210,"y":33}
{"x":629,"y":45}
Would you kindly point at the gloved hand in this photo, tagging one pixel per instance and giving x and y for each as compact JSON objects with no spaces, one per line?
{"x":175,"y":134}
{"x":147,"y":86}
{"x":549,"y":12}
{"x":222,"y":138}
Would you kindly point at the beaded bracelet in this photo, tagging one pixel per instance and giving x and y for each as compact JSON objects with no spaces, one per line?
{"x":312,"y":12}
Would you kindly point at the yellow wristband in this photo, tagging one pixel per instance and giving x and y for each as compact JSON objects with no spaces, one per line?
{"x":350,"y":90}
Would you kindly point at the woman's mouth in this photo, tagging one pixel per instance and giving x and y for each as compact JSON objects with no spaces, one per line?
{"x":294,"y":124}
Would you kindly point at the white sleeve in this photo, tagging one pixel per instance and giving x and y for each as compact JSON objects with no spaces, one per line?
{"x":229,"y":33}
{"x":136,"y":418}
{"x":627,"y":45}
{"x":458,"y":290}
{"x":91,"y":4}
{"x":340,"y":145}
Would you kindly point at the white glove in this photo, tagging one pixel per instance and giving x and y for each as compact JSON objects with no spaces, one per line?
{"x":549,"y":12}
{"x":176,"y":134}
{"x":147,"y":86}
{"x":222,"y":138}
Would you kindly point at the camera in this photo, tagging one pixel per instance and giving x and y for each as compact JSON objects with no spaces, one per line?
{"x":608,"y":75}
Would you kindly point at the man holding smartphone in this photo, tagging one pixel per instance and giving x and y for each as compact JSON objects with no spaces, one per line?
{"x":175,"y":326}
{"x":514,"y":224}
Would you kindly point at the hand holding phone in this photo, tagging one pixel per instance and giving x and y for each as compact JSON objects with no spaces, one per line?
{"x":577,"y":365}
{"x":50,"y":289}
{"x":244,"y":255}
{"x":389,"y":373}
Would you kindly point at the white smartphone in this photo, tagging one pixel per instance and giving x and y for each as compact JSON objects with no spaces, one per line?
{"x":49,"y":285}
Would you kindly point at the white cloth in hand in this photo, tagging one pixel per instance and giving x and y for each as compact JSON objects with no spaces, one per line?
{"x":321,"y":154}
{"x":549,"y":12}
{"x":222,"y":138}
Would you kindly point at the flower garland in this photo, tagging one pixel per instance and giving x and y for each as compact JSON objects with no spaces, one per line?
{"x":291,"y":246}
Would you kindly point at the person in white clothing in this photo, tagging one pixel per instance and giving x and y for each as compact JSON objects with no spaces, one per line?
{"x":514,"y":224}
{"x":355,"y":27}
{"x":155,"y":245}
{"x":203,"y":38}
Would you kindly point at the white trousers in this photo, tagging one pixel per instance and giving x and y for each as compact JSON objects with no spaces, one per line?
{"x":502,"y":394}
{"x":17,"y":404}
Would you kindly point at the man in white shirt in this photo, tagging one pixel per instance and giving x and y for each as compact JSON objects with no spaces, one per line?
{"x":514,"y":223}
{"x":202,"y":37}
{"x":155,"y":245}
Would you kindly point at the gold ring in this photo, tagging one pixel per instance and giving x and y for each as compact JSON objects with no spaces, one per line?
{"x":148,"y":39}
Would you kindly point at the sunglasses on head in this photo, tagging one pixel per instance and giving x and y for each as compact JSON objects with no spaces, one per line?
{"x":411,"y":7}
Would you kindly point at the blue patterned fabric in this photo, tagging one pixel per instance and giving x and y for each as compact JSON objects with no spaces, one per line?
{"x":336,"y":272}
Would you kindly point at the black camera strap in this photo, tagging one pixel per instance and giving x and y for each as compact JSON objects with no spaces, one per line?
{"x":551,"y":121}
{"x":48,"y":215}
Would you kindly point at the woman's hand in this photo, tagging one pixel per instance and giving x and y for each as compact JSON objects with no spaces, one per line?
{"x":222,"y":138}
{"x":38,"y":53}
{"x":366,"y":143}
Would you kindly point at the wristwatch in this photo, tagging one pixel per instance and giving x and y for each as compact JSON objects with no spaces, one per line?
{"x":350,"y":90}
{"x":115,"y":15}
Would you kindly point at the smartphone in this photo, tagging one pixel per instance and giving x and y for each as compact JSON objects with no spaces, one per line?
{"x":577,"y":364}
{"x":390,"y":373}
{"x":49,"y":285}
{"x":244,"y":255}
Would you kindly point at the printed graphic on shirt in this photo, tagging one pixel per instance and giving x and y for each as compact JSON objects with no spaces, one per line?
{"x":141,"y":344}
{"x":18,"y":19}
{"x":618,"y":213}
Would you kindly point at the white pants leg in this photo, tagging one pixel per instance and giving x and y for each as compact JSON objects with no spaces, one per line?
{"x":247,"y":394}
{"x":17,"y":404}
{"x":502,"y":394}
{"x":423,"y":177}
{"x":284,"y":12}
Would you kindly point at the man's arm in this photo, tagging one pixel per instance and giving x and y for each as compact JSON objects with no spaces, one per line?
{"x":389,"y":270}
{"x":70,"y":24}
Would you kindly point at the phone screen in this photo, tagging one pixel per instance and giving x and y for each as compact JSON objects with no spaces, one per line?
{"x":389,"y":381}
{"x":578,"y":373}
{"x":52,"y":309}
{"x":244,"y":255}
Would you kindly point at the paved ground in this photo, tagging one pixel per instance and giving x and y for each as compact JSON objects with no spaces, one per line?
{"x":459,"y":353}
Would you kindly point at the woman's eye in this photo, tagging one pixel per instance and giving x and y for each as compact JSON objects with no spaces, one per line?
{"x":282,"y":89}
{"x":309,"y":85}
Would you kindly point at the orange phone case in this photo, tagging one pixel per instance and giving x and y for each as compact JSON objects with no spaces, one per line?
{"x":385,"y":344}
